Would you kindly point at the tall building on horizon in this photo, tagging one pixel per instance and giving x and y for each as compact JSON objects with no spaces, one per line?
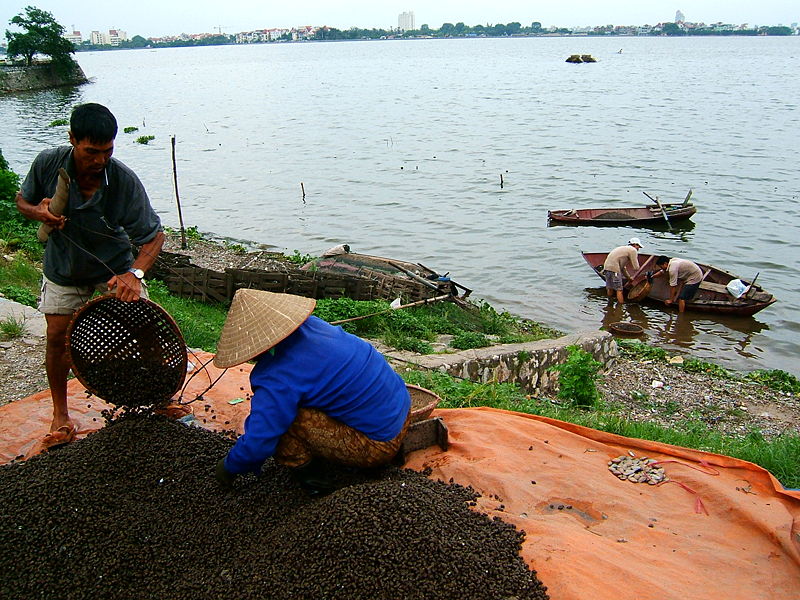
{"x":405,"y":21}
{"x":679,"y":17}
{"x":75,"y":37}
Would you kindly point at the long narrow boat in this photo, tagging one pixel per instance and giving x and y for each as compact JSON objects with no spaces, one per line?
{"x":713,"y":295}
{"x":637,"y":215}
{"x":651,"y":214}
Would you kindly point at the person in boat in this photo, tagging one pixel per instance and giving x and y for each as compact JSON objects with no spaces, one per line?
{"x":320,"y":395}
{"x":89,"y":241}
{"x":617,"y":265}
{"x":684,"y":279}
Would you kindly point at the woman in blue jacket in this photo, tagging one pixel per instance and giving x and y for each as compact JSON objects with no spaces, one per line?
{"x":318,"y":391}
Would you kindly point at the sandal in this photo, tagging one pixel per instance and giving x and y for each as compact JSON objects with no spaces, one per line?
{"x":174,"y":411}
{"x":54,"y":439}
{"x":63,"y":435}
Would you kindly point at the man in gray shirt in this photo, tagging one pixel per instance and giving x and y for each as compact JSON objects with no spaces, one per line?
{"x":684,"y":276}
{"x":89,"y":248}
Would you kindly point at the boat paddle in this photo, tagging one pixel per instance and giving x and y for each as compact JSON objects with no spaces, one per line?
{"x":750,"y":287}
{"x":663,"y":212}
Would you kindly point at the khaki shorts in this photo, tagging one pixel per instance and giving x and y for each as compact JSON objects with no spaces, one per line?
{"x":66,"y":299}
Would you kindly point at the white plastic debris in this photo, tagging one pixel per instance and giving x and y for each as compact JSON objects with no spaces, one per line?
{"x":396,"y":303}
{"x":657,"y":384}
{"x":736,"y":288}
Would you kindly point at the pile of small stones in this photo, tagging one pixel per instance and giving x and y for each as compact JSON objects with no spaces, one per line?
{"x":133,"y":511}
{"x":637,"y":470}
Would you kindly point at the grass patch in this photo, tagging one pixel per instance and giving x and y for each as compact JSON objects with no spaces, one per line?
{"x":200,"y":323}
{"x":12,"y":327}
{"x":21,"y":280}
{"x":145,"y":139}
{"x":130,"y":129}
{"x":470,"y":326}
{"x":774,"y":379}
{"x":466,"y":340}
{"x":59,"y":122}
{"x":778,"y":455}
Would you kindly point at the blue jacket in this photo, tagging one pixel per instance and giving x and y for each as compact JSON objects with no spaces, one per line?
{"x":322,"y":367}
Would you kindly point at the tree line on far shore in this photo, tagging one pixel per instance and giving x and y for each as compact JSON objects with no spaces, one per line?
{"x":42,"y":34}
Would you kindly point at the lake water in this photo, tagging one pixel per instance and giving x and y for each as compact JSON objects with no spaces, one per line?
{"x":400,"y":147}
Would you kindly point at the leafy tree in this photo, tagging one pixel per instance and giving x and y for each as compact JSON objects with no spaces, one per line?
{"x":673,"y":29}
{"x":536,"y":26}
{"x":42,"y":35}
{"x":447,"y":29}
{"x":513,"y":28}
{"x":136,"y":41}
{"x":779,"y":30}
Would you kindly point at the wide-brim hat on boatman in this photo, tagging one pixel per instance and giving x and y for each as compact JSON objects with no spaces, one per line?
{"x":257,"y":321}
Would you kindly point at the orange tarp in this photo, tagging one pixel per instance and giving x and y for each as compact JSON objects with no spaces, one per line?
{"x":723,"y":528}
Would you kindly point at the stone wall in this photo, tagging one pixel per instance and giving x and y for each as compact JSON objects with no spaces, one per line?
{"x":525,"y":364}
{"x":38,"y":77}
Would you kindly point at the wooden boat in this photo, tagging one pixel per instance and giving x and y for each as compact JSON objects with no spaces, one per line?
{"x":638,"y":215}
{"x":650,"y":214}
{"x":713,"y":295}
{"x":421,"y":280}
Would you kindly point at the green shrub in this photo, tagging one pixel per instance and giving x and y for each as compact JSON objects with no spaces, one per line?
{"x":235,"y":248}
{"x":17,"y":232}
{"x":776,"y":379}
{"x":465,"y":340}
{"x":145,"y":139}
{"x":577,"y":378}
{"x":20,"y":294}
{"x":299,"y":259}
{"x":59,"y":122}
{"x":130,"y":129}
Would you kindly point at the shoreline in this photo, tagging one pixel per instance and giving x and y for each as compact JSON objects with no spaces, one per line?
{"x":642,"y":388}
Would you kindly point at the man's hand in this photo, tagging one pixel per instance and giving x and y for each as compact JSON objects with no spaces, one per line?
{"x":129,"y":287}
{"x":224,"y":478}
{"x":42,"y":213}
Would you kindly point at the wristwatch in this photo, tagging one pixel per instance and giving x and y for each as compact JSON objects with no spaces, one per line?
{"x":138,"y":273}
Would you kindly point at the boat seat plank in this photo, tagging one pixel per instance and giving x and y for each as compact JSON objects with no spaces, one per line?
{"x":713,"y":287}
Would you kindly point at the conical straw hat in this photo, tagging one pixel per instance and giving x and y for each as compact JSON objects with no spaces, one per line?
{"x":257,"y":320}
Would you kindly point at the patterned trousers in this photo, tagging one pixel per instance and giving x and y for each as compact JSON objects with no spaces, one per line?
{"x":315,"y":434}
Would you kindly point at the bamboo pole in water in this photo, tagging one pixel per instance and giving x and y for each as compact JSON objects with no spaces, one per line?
{"x":177,"y":196}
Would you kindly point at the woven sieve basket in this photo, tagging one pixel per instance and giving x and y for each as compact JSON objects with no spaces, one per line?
{"x":422,"y":402}
{"x":127,"y":353}
{"x":639,"y":291}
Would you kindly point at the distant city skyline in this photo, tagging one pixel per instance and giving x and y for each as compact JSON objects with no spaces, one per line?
{"x":151,"y":18}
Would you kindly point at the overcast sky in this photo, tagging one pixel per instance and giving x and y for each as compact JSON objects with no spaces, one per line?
{"x":151,"y":18}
